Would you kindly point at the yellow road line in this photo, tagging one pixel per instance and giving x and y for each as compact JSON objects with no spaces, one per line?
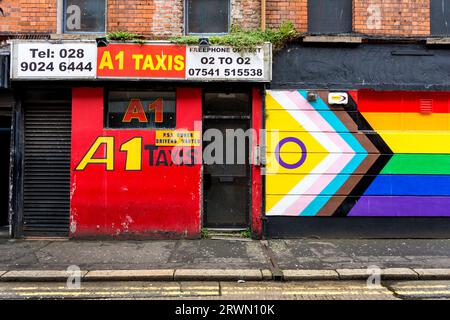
{"x":117,"y":293}
{"x":423,"y":292}
{"x":314,"y":292}
{"x":98,"y":289}
{"x":425,"y":287}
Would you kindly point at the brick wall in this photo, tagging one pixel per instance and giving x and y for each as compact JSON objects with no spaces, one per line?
{"x":246,"y":13}
{"x":392,"y":17}
{"x":162,"y":18}
{"x":28,"y":16}
{"x":168,"y":19}
{"x":282,"y":10}
{"x":132,"y":15}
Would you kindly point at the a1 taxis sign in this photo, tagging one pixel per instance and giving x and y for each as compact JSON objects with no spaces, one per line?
{"x":83,"y":60}
{"x":141,"y":61}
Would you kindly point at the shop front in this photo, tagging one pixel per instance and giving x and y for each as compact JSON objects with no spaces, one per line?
{"x":133,"y":141}
{"x":358,"y":142}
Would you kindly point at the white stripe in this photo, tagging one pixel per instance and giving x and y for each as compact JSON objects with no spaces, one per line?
{"x":335,"y":153}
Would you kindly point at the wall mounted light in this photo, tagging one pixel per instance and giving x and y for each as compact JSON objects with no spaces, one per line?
{"x":204,"y":42}
{"x":312,"y":96}
{"x":102,"y":42}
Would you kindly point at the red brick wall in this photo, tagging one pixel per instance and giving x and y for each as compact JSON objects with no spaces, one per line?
{"x":295,"y":11}
{"x":392,"y":17}
{"x":28,"y":16}
{"x":163,"y":18}
{"x":246,"y":13}
{"x":132,"y":15}
{"x":146,"y":17}
{"x":168,"y":19}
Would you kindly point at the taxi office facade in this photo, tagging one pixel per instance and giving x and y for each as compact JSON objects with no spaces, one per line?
{"x":93,"y":120}
{"x":339,"y":202}
{"x":125,"y":158}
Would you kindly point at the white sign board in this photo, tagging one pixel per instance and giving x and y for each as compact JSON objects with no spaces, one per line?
{"x":338,"y":98}
{"x":77,"y":60}
{"x":225,"y":63}
{"x":37,"y":60}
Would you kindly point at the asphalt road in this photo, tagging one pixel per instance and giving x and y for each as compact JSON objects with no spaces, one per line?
{"x":338,"y":290}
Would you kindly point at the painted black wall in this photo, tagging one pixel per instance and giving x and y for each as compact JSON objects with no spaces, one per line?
{"x":4,"y":70}
{"x":377,"y":66}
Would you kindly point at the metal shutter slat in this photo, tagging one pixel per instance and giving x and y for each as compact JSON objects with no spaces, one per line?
{"x":46,"y":192}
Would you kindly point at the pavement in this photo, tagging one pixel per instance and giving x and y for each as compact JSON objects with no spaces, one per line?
{"x":225,"y":260}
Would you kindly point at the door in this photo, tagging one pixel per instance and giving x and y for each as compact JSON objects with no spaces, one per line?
{"x":226,"y":177}
{"x":5,"y":137}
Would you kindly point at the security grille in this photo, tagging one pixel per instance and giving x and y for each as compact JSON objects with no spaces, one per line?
{"x":46,"y":185}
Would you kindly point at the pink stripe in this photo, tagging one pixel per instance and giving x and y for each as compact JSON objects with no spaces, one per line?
{"x":300,"y":102}
{"x":297,"y":208}
{"x":324,"y":180}
{"x":317,"y":119}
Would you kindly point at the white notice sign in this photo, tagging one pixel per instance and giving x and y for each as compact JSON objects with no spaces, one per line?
{"x":225,"y":63}
{"x":36,"y":60}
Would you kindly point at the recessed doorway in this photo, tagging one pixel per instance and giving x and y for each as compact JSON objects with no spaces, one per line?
{"x":226,"y":184}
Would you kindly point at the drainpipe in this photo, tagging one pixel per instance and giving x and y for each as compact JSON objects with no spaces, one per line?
{"x":263,"y":15}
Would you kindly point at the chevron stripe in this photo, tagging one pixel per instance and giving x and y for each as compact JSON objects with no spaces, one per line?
{"x":345,"y":154}
{"x":358,"y":156}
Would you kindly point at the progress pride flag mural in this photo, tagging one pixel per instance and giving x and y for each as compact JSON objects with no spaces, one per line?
{"x":382,"y":154}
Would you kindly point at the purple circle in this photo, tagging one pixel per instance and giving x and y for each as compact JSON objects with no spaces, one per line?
{"x":300,"y":144}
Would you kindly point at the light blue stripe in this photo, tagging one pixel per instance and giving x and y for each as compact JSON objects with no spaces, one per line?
{"x":314,"y":207}
{"x":321,"y":107}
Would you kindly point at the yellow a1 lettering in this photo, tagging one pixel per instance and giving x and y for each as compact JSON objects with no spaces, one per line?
{"x":108,"y":160}
{"x":133,"y":149}
{"x":106,"y":61}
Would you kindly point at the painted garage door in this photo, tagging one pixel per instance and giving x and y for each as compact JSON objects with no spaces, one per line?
{"x":377,"y":154}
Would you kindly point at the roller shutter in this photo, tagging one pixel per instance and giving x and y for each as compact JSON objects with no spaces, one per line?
{"x":46,"y":184}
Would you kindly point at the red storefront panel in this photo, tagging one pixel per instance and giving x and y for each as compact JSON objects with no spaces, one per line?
{"x":160,"y":200}
{"x":256,"y":208}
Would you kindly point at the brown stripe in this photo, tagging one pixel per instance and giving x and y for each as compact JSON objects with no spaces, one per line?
{"x":333,"y":204}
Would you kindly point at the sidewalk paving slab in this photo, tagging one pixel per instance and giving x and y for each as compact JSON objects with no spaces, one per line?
{"x":130,"y":275}
{"x":38,"y":275}
{"x":318,"y":254}
{"x":218,"y":275}
{"x":310,"y":275}
{"x":386,"y":274}
{"x":433,"y":274}
{"x":288,"y":254}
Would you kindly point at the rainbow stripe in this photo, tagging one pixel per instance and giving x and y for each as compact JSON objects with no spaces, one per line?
{"x":416,"y":181}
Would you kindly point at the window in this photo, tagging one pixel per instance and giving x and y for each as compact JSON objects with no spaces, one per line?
{"x":84,"y":16}
{"x":141,"y":109}
{"x":207,"y":16}
{"x":330,"y":16}
{"x":440,"y":17}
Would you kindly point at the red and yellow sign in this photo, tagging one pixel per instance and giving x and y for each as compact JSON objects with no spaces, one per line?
{"x":139,"y":61}
{"x":180,"y":138}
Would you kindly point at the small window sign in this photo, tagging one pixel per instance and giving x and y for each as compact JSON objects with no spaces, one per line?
{"x":84,"y":16}
{"x":141,"y":109}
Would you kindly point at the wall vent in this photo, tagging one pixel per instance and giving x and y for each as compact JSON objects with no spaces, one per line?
{"x":426,"y":106}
